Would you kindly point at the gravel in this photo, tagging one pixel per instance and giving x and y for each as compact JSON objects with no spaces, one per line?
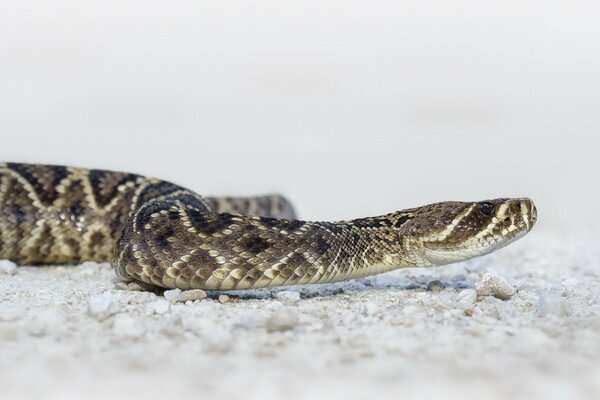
{"x":8,"y":267}
{"x":102,"y":306}
{"x":491,"y":284}
{"x":521,"y":323}
{"x":288,"y":296}
{"x":223,"y":299}
{"x":180,"y":296}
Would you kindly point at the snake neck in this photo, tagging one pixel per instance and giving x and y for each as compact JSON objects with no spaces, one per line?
{"x":362,"y":247}
{"x":223,"y":251}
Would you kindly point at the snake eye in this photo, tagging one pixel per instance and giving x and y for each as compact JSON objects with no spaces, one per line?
{"x":487,"y":208}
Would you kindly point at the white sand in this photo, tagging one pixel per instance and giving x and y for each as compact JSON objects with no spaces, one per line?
{"x":66,"y":332}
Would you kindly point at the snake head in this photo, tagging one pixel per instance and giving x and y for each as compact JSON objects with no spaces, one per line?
{"x":448,"y":232}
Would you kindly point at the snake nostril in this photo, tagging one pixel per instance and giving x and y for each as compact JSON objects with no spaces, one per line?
{"x":516,"y":207}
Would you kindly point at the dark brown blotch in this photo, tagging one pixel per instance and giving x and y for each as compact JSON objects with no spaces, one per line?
{"x":105,"y":184}
{"x":173,"y":215}
{"x":333,"y":227}
{"x":162,"y":238}
{"x":75,"y":211}
{"x":43,"y":178}
{"x":209,"y":223}
{"x":322,"y":246}
{"x":205,"y":226}
{"x":19,"y":214}
{"x":289,"y":225}
{"x":191,"y":200}
{"x":401,"y":221}
{"x":256,"y":245}
{"x":154,"y":190}
{"x":144,"y":214}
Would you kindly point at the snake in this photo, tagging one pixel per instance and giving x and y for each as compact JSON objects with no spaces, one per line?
{"x":163,"y":235}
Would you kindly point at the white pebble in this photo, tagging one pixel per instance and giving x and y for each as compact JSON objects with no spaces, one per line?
{"x":191,"y":295}
{"x":171,"y":295}
{"x":287,"y":296}
{"x":491,"y":284}
{"x":182,"y":296}
{"x":435,"y":286}
{"x":127,"y":326}
{"x":8,"y":267}
{"x":224,"y":299}
{"x":101,"y":306}
{"x":132,"y":286}
{"x":141,"y":298}
{"x":159,"y":306}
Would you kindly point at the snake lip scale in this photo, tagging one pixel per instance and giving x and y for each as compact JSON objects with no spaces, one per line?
{"x":160,"y":234}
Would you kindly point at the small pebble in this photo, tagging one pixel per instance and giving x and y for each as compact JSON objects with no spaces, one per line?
{"x":132,"y":286}
{"x":491,"y":284}
{"x":171,"y":295}
{"x":141,"y":298}
{"x":435,"y":286}
{"x":224,"y":299}
{"x":160,"y":306}
{"x":8,"y":267}
{"x":182,"y":296}
{"x":191,"y":295}
{"x":101,"y":306}
{"x":288,"y":296}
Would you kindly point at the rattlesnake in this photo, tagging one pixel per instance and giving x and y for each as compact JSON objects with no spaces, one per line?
{"x":160,"y":234}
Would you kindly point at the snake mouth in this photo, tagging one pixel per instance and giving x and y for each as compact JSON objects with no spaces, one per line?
{"x":521,"y":229}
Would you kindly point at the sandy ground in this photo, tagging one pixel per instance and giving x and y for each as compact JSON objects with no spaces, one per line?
{"x":67,"y":332}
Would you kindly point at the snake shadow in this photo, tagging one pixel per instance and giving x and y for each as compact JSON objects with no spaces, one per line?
{"x":396,"y":280}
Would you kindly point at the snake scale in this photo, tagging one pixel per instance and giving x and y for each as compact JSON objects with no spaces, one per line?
{"x":160,"y":234}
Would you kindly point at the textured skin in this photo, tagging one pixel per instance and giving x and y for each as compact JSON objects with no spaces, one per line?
{"x":165,"y":235}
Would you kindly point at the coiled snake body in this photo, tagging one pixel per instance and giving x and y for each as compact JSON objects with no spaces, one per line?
{"x":162,"y":234}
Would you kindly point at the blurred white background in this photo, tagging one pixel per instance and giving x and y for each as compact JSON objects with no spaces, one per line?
{"x":351,"y":108}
